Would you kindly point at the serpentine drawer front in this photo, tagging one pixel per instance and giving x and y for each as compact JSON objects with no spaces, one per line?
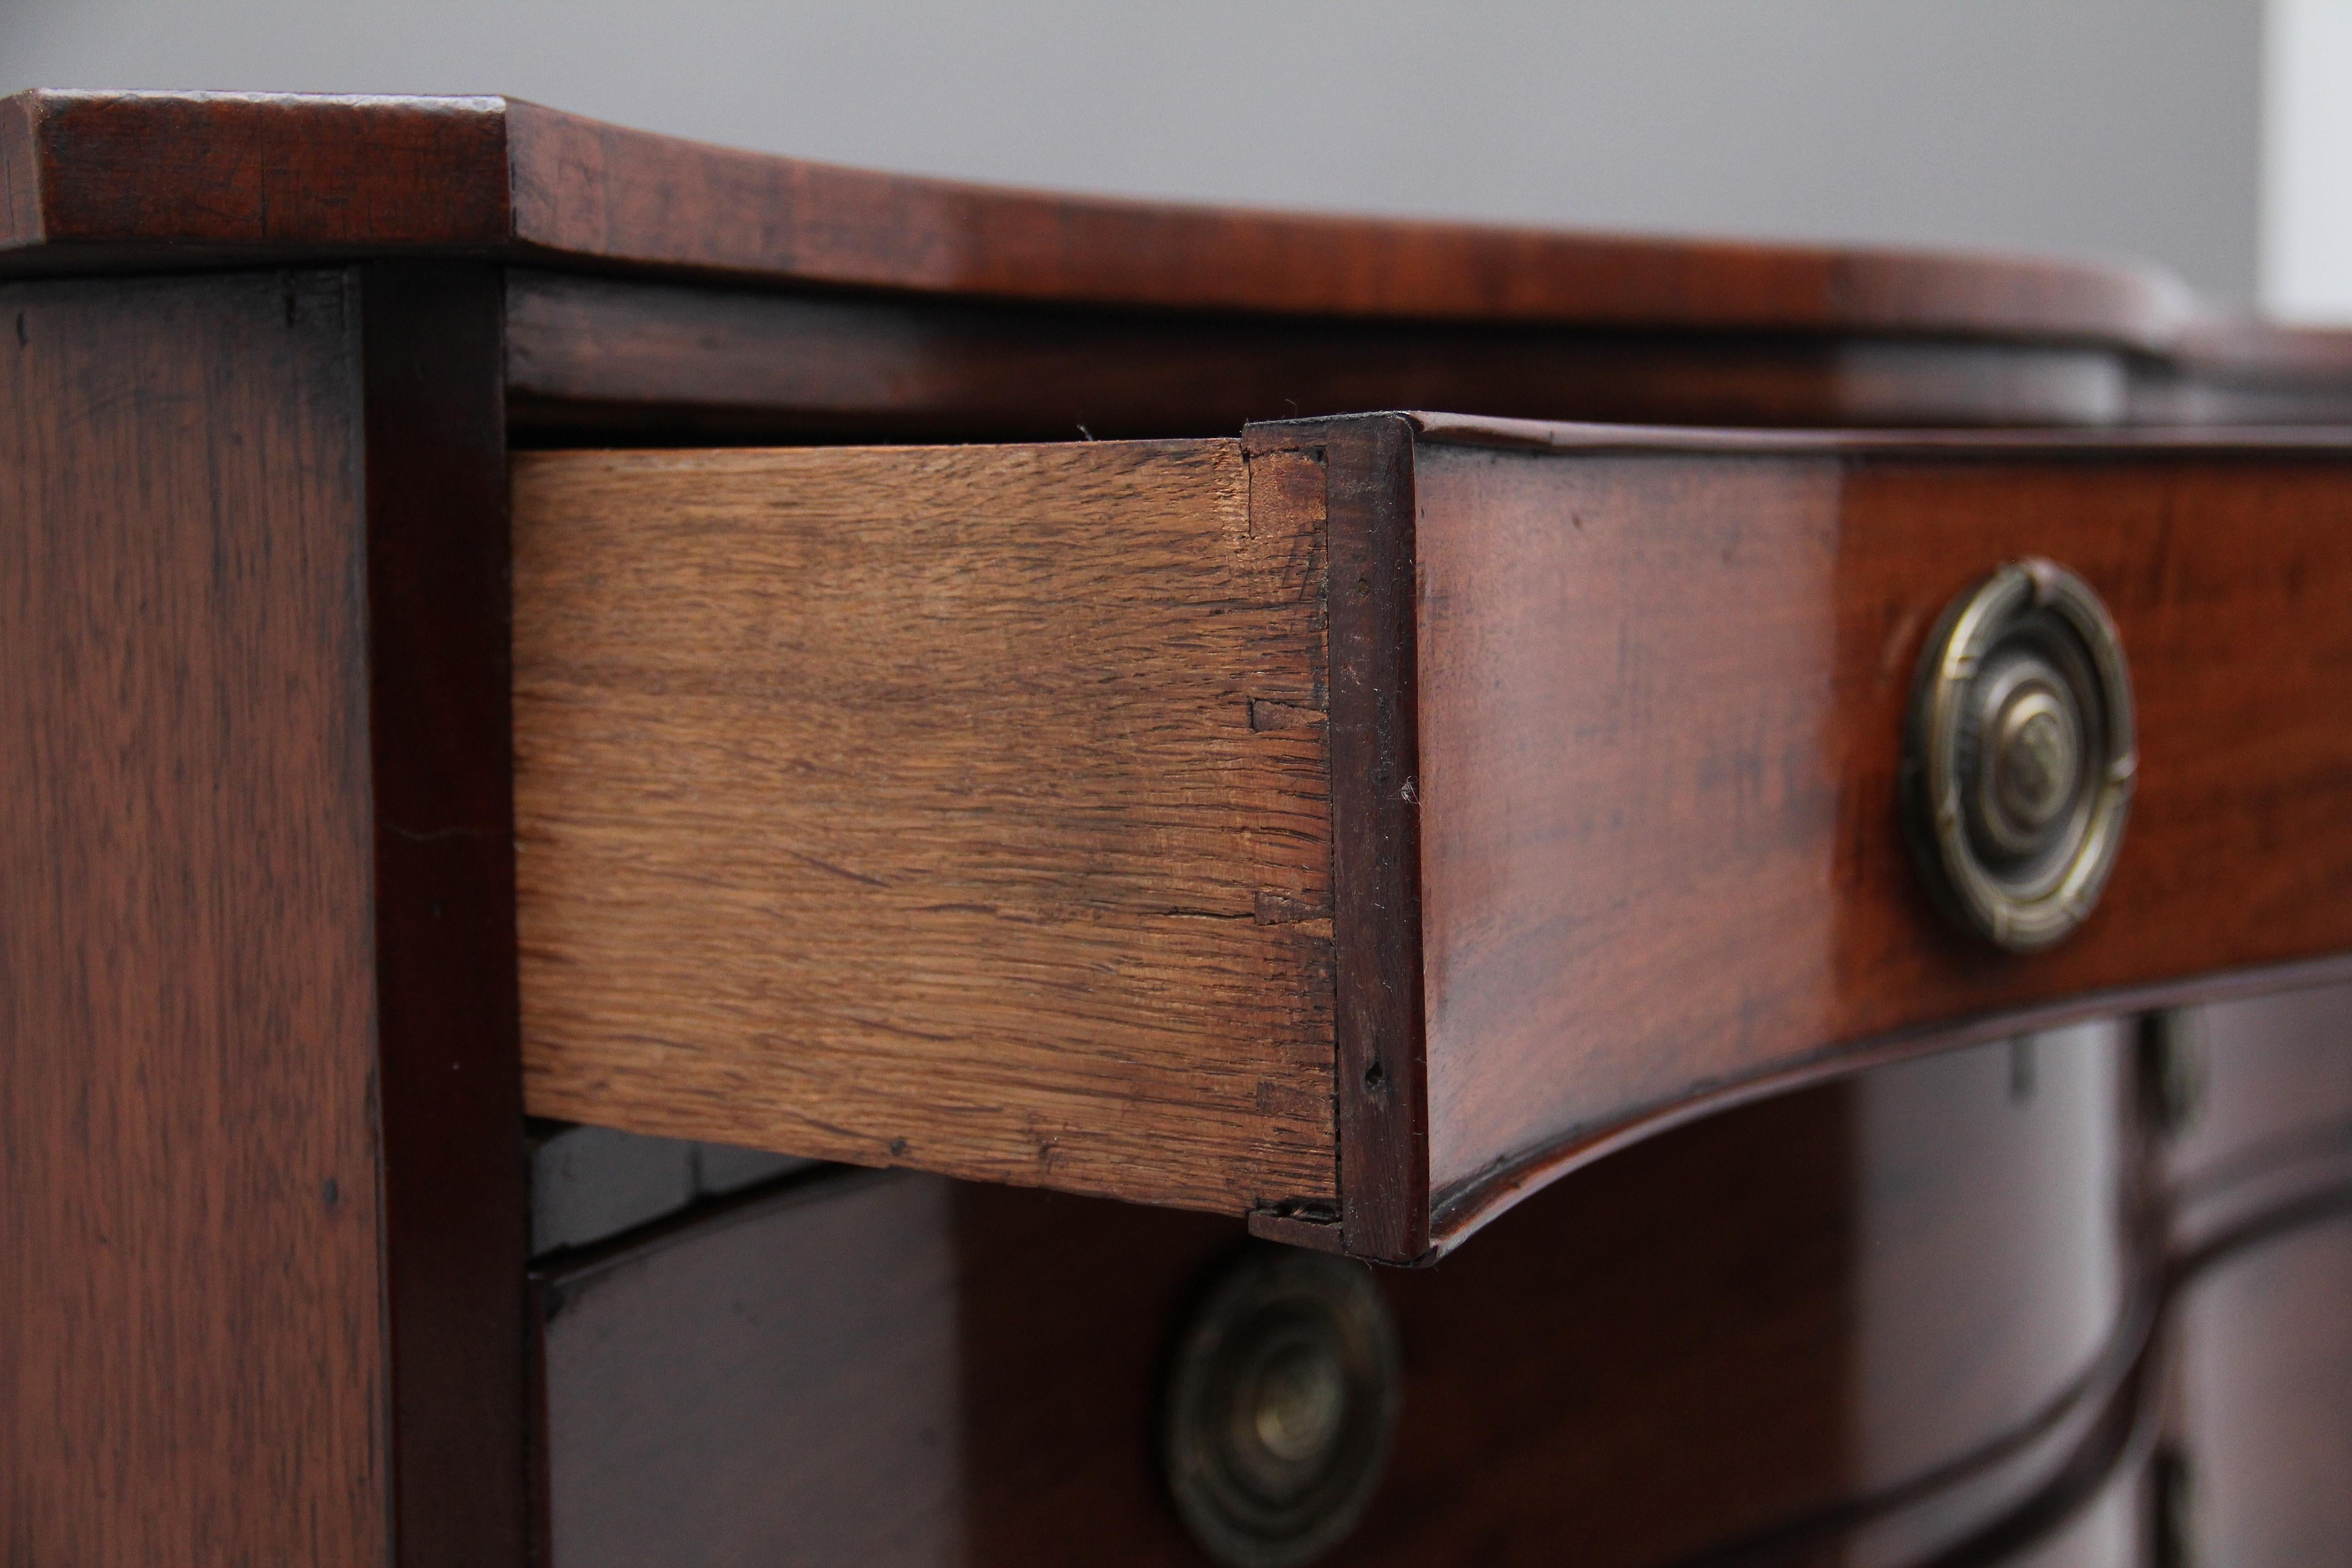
{"x":1356,"y":823}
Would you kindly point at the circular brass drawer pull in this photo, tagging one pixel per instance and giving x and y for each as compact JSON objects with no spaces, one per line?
{"x":1280,"y":1400}
{"x":2019,"y":756}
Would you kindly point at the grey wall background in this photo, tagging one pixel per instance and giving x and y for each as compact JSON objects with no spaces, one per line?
{"x":2306,"y":239}
{"x":2084,"y":125}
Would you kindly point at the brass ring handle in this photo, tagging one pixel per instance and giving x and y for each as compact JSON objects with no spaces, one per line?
{"x":1280,"y":1403}
{"x":2019,"y":756}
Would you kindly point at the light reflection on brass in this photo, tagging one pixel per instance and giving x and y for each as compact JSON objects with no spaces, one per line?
{"x":2020,"y":756}
{"x":1280,"y":1400}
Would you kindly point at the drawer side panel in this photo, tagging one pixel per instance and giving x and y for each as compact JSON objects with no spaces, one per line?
{"x":962,"y":808}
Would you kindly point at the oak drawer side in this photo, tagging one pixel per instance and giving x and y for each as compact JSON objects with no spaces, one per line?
{"x":963,"y":808}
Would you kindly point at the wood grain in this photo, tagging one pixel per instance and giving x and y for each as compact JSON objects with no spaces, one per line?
{"x":108,"y":178}
{"x":582,"y":187}
{"x":961,"y":808}
{"x":1661,"y":706}
{"x":1605,"y":831}
{"x":134,"y":178}
{"x":192,"y":1319}
{"x":270,"y":1213}
{"x":157,"y":180}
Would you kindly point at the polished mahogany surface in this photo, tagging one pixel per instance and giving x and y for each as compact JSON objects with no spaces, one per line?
{"x":1867,"y":1322}
{"x":93,"y":177}
{"x":1617,"y":782}
{"x":853,"y":301}
{"x":262,"y":1206}
{"x":597,"y":359}
{"x":188,"y":1173}
{"x":2257,"y":1450}
{"x":447,"y":1094}
{"x":2263,"y":1381}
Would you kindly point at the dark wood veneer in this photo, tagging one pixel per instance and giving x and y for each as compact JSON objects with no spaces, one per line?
{"x":1382,"y":1081}
{"x":137,"y":177}
{"x":1242,"y":314}
{"x":2263,"y":1373}
{"x":449,"y":1086}
{"x":190,"y":1334}
{"x":262,"y":1170}
{"x":250,"y":177}
{"x":1660,"y":681}
{"x":590,"y":357}
{"x":1908,"y":1310}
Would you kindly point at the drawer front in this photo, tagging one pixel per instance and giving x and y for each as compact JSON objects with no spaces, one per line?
{"x":1360,"y":823}
{"x":2266,"y":1084}
{"x":1662,"y":696}
{"x":1919,"y":1282}
{"x":2259,"y":1453}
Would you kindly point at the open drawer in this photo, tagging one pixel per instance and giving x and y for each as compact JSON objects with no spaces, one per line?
{"x":1355,"y":823}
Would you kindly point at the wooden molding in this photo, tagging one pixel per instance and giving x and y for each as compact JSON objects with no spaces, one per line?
{"x":170,"y":178}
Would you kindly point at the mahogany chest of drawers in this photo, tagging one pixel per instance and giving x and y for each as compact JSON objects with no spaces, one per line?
{"x":715,"y":860}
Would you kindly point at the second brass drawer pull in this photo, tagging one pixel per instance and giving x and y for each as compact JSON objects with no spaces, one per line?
{"x":2020,"y":758}
{"x":1280,"y":1403}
